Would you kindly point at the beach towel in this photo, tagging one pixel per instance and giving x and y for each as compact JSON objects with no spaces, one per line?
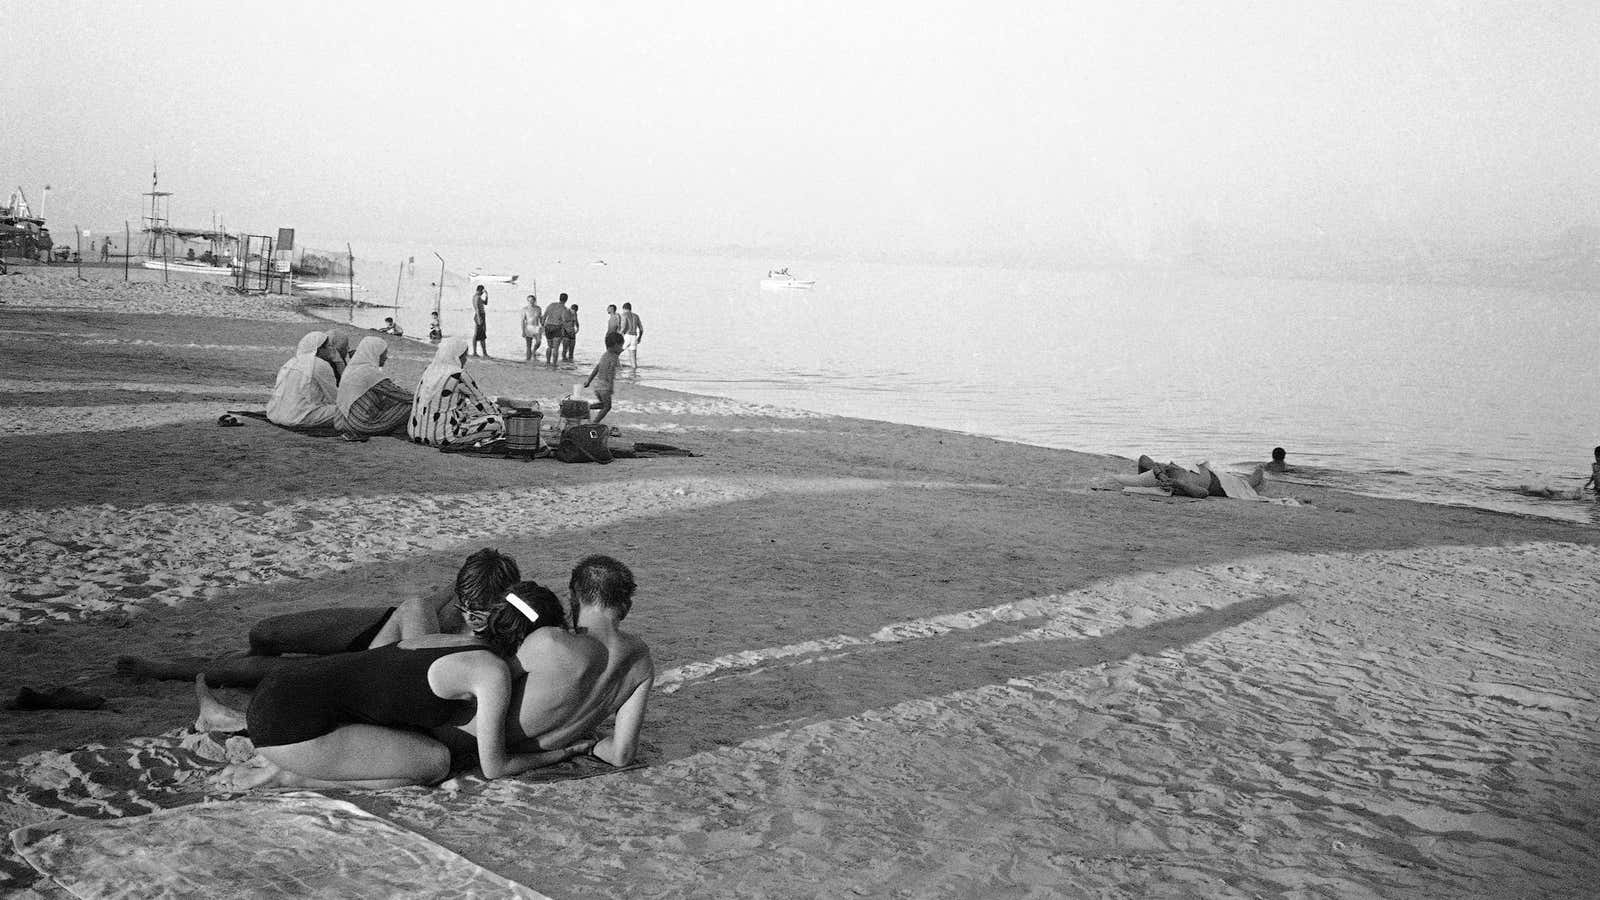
{"x":140,"y":776}
{"x":278,"y":845}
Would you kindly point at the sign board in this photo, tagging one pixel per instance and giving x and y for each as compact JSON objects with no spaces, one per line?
{"x":285,"y":239}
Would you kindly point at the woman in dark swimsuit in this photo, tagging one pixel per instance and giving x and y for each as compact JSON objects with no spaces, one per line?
{"x":360,"y":720}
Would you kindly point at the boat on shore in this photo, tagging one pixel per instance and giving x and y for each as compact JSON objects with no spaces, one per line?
{"x":782,"y":280}
{"x":182,"y":265}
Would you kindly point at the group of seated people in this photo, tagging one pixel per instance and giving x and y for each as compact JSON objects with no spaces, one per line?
{"x":325,"y":385}
{"x":498,"y":671}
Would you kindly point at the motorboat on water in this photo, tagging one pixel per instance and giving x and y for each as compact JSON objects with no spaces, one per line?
{"x":489,"y":278}
{"x":782,"y":280}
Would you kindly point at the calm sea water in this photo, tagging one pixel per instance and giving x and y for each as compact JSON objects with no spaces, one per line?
{"x":1447,"y":394}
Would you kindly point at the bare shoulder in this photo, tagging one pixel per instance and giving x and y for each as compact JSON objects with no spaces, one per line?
{"x":636,"y":657}
{"x":554,"y":646}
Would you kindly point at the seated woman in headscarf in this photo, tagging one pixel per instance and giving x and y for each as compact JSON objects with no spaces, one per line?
{"x":305,"y":393}
{"x":449,"y":409}
{"x":369,"y":403}
{"x":338,"y":354}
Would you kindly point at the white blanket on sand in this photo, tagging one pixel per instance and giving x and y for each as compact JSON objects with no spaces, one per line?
{"x":282,"y":845}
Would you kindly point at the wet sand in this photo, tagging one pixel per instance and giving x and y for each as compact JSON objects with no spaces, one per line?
{"x":894,"y":661}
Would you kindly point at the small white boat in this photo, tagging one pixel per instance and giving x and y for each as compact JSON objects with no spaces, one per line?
{"x":186,"y":266}
{"x":781,"y":280}
{"x":323,"y":286}
{"x":494,"y":279}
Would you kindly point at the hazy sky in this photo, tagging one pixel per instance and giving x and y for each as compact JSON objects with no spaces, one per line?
{"x":845,"y":126}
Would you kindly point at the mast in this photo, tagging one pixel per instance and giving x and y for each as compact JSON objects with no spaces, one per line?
{"x":156,"y":222}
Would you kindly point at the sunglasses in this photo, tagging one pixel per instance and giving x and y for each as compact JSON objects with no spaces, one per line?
{"x":478,"y":616}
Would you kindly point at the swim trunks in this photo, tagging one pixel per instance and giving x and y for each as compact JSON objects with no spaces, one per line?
{"x":385,"y":686}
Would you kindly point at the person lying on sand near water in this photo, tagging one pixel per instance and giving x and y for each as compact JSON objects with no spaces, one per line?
{"x":306,"y":391}
{"x":1199,"y":481}
{"x":449,"y":408}
{"x":287,"y":639}
{"x":359,"y":720}
{"x":369,"y":403}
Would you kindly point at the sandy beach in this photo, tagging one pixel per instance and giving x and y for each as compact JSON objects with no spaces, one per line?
{"x":894,"y":662}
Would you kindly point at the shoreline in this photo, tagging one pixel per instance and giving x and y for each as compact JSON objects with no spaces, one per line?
{"x":894,"y":660}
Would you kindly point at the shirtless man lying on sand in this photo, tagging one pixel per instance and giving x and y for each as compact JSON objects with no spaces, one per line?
{"x":566,"y":684}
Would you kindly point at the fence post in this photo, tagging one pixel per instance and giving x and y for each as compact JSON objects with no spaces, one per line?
{"x":350,"y":269}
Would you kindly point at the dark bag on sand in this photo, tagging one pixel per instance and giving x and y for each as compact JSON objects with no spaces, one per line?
{"x":584,"y":443}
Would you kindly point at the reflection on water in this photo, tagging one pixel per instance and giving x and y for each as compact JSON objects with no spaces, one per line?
{"x":1442,"y":393}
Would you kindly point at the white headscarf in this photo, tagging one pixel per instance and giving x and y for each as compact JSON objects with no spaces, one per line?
{"x":305,"y":391}
{"x":446,"y":362}
{"x":364,"y":371}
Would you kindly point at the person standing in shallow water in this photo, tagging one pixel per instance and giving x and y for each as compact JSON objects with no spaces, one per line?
{"x":532,"y":327}
{"x":480,"y":320}
{"x":632,"y":334}
{"x":555,"y":324}
{"x":569,"y":334}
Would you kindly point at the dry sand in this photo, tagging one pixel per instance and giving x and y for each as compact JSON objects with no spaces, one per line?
{"x":895,"y":662}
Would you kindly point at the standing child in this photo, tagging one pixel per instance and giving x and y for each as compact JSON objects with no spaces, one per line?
{"x":435,"y":333}
{"x":604,"y":376}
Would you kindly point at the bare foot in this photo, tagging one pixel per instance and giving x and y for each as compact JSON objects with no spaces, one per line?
{"x":214,"y":714}
{"x":256,"y":772}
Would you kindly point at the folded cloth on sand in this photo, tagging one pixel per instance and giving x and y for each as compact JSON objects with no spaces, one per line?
{"x":297,"y":844}
{"x":56,"y":698}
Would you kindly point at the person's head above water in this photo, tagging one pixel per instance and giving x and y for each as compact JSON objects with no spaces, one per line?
{"x":604,"y":582}
{"x":1278,"y":453}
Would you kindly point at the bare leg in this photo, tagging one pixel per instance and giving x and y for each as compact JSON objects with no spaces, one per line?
{"x":214,"y":714}
{"x":1258,"y":477}
{"x":353,"y":756}
{"x":316,"y":631}
{"x":232,"y":671}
